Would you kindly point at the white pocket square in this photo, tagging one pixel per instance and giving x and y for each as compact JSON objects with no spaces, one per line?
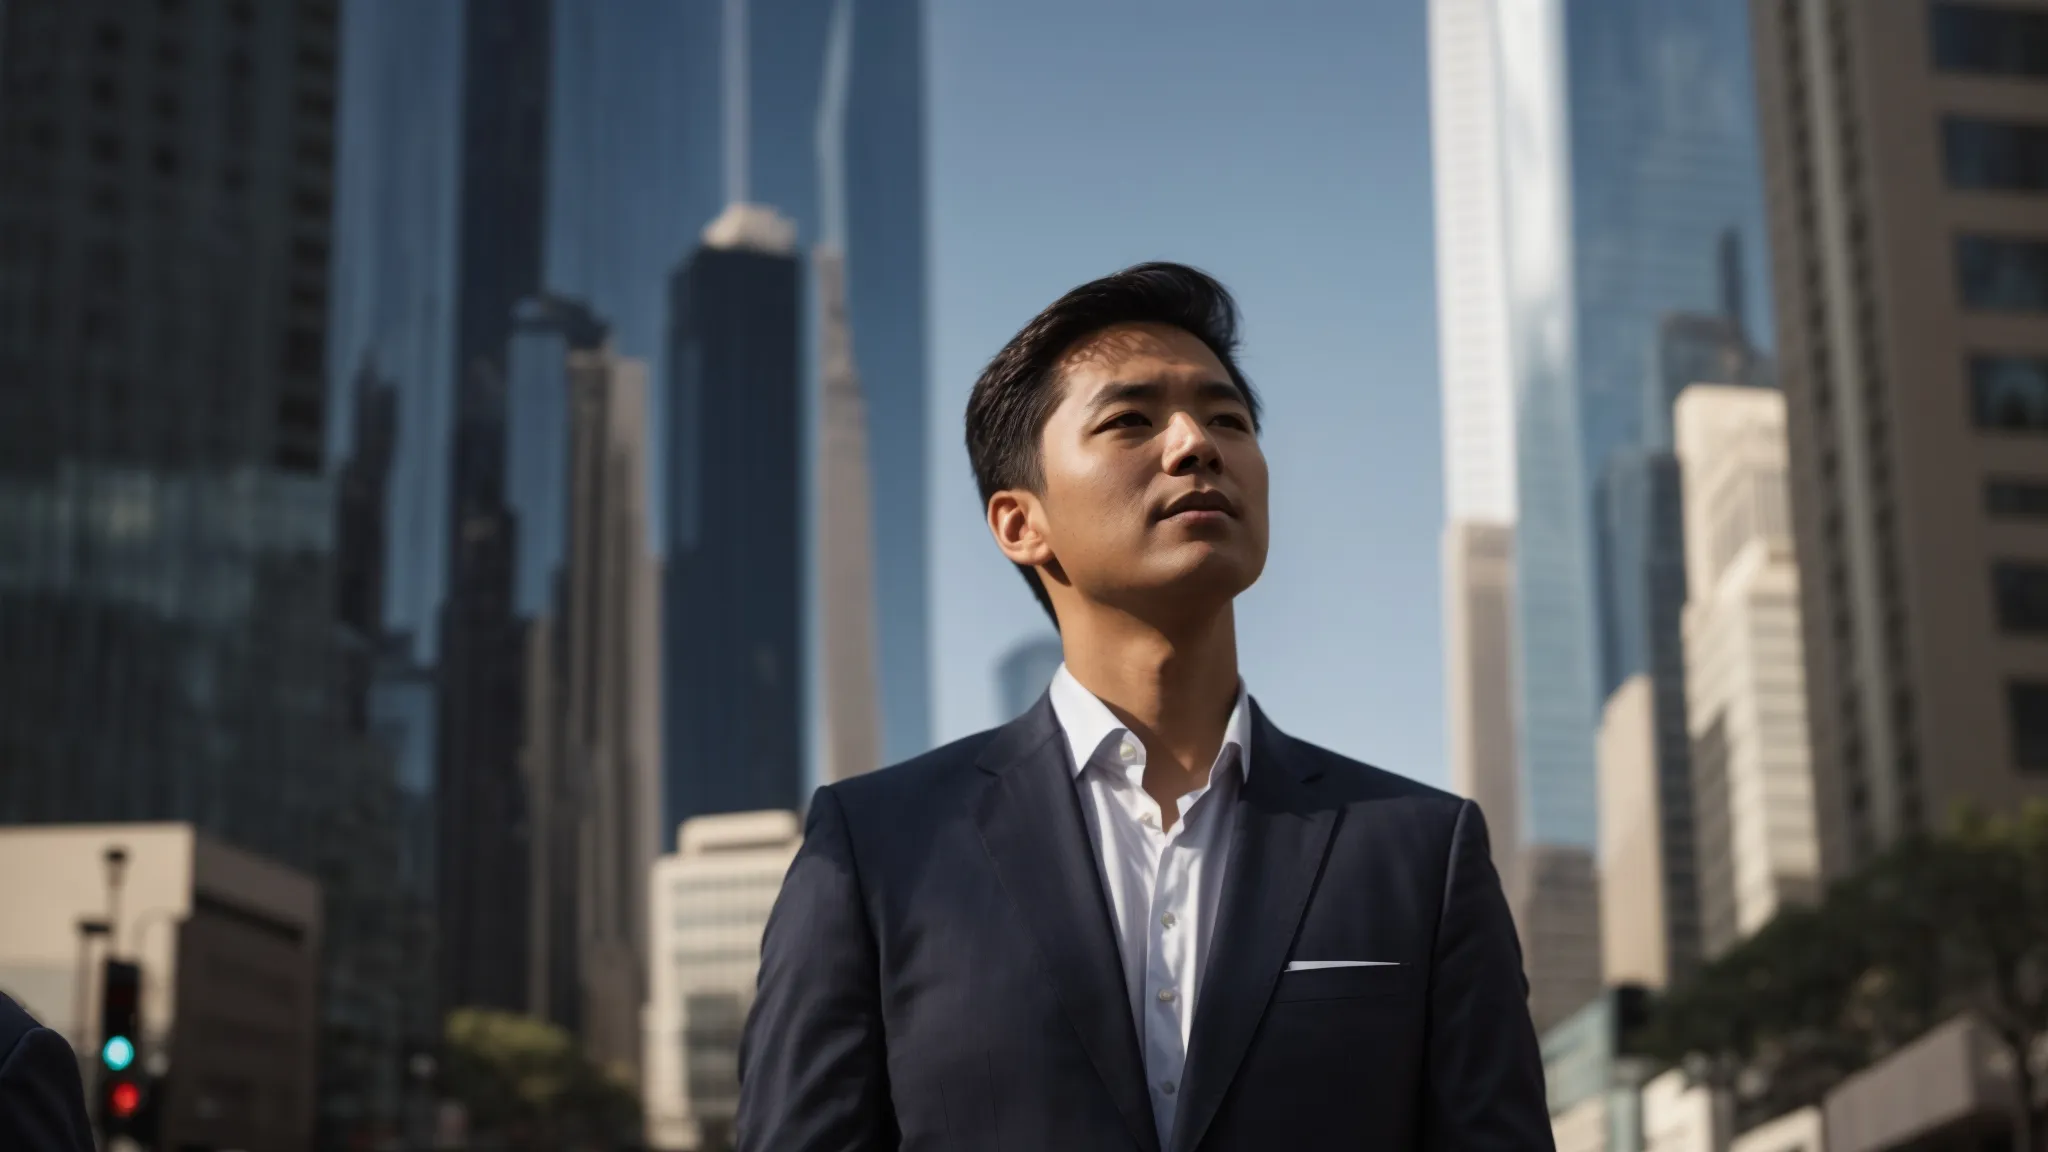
{"x":1312,"y":965}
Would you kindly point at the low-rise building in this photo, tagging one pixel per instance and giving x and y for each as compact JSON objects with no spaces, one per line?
{"x":228,"y":947}
{"x":711,"y":900}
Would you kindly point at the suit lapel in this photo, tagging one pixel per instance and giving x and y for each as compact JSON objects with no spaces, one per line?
{"x":1031,"y":824}
{"x":1276,"y":852}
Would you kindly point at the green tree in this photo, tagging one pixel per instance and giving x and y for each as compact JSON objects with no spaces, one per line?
{"x":1935,"y":927}
{"x":524,"y":1081}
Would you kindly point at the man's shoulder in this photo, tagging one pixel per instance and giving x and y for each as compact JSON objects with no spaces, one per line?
{"x":15,"y":1023}
{"x":915,"y":782}
{"x":1355,"y":780}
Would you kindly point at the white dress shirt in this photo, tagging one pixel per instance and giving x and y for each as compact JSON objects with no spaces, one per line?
{"x":1163,"y":885}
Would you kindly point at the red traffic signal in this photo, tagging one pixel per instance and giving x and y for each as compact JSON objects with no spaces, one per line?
{"x":124,"y":1099}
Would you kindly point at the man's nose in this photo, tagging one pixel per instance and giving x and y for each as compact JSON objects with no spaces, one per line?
{"x":1189,"y":447}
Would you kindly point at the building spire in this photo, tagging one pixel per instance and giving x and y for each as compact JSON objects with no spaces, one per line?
{"x":736,"y":110}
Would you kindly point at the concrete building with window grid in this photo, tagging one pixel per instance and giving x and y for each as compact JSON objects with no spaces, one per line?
{"x":1907,"y":177}
{"x":711,"y":900}
{"x":1746,"y":695}
{"x":228,"y":945}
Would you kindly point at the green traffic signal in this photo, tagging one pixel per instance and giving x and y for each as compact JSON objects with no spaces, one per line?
{"x":118,"y":1053}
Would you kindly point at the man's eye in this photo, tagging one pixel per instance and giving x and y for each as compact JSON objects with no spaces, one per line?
{"x":1233,"y":420}
{"x":1128,"y":420}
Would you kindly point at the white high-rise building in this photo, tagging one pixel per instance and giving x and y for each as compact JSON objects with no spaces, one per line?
{"x":1479,"y":416}
{"x":853,"y":738}
{"x":710,"y":904}
{"x":1471,"y":262}
{"x":1745,"y":678}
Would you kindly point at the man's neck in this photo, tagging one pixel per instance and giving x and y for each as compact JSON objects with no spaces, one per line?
{"x":1174,"y":689}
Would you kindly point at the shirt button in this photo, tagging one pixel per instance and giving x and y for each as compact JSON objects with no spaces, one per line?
{"x":1166,"y":995}
{"x":1169,"y":919}
{"x":1149,"y":820}
{"x":1168,"y":1087}
{"x":1127,"y":751}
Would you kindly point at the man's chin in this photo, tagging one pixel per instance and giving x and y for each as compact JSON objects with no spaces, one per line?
{"x":1212,"y":578}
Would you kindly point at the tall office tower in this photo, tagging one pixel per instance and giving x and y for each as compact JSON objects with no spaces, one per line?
{"x":547,"y":331}
{"x":1641,"y":541}
{"x":733,"y":673}
{"x":1479,"y":636}
{"x":1745,"y":669}
{"x":768,"y":109}
{"x":845,"y":540}
{"x":391,"y":310}
{"x":484,"y":825}
{"x":1913,"y":284}
{"x":1025,"y":672}
{"x":591,"y":746}
{"x":1479,"y":415}
{"x":1622,"y":208}
{"x":1640,"y":544}
{"x":1635,"y":890}
{"x":844,"y":511}
{"x":167,"y":533}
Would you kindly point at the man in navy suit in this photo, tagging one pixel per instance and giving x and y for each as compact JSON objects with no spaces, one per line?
{"x":1140,"y":917}
{"x":42,"y":1101}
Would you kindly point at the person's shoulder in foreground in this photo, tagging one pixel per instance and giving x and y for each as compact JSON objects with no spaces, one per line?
{"x":42,"y":1100}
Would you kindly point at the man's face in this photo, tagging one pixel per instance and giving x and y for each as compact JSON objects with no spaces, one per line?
{"x":1154,"y":487}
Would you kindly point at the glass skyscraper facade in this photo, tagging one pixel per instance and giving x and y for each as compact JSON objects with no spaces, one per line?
{"x":168,"y":524}
{"x":868,"y":186}
{"x":1667,"y":222}
{"x":734,"y":672}
{"x":493,"y":152}
{"x":1632,"y":150}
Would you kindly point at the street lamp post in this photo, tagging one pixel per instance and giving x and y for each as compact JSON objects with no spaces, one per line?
{"x":82,"y":1033}
{"x":116,"y":857}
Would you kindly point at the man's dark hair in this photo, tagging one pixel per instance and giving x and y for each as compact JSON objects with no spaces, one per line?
{"x":1019,"y":389}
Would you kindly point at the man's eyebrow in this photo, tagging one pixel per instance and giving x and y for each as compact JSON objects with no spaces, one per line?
{"x":1141,"y":390}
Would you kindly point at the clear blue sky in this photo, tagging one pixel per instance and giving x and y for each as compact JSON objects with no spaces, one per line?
{"x":1283,"y":146}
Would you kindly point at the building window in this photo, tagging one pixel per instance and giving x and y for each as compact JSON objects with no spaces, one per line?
{"x":1995,"y":156}
{"x":2026,"y":704}
{"x":2003,"y":273}
{"x":2016,"y":499}
{"x":2009,"y":393}
{"x":2020,"y":590}
{"x":1991,"y":39}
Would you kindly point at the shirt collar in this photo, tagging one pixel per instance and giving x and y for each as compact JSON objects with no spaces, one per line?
{"x":1087,"y":722}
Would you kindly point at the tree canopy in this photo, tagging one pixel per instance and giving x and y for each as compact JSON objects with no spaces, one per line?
{"x":1936,"y":927}
{"x":525,"y":1082}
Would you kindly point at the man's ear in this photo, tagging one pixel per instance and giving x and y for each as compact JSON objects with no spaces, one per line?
{"x":1017,"y":520}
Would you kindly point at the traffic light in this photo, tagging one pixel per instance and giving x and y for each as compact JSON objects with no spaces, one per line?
{"x":122,"y":1091}
{"x":120,"y":1014}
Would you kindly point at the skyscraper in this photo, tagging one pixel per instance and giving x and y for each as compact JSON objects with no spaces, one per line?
{"x":485,"y":825}
{"x":1913,"y":285}
{"x":1641,"y":541}
{"x":1745,"y":668}
{"x":845,"y":543}
{"x":167,"y":528}
{"x":734,"y":679}
{"x":1627,"y":141}
{"x":592,"y":729}
{"x":547,"y":332}
{"x":811,"y":138}
{"x":1479,"y":416}
{"x":1479,"y":638}
{"x":844,"y":512}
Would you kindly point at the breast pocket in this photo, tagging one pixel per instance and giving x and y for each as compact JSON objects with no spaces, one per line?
{"x":1347,"y":983}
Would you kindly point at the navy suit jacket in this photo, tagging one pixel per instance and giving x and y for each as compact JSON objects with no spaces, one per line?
{"x":940,"y":970}
{"x":42,"y":1100}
